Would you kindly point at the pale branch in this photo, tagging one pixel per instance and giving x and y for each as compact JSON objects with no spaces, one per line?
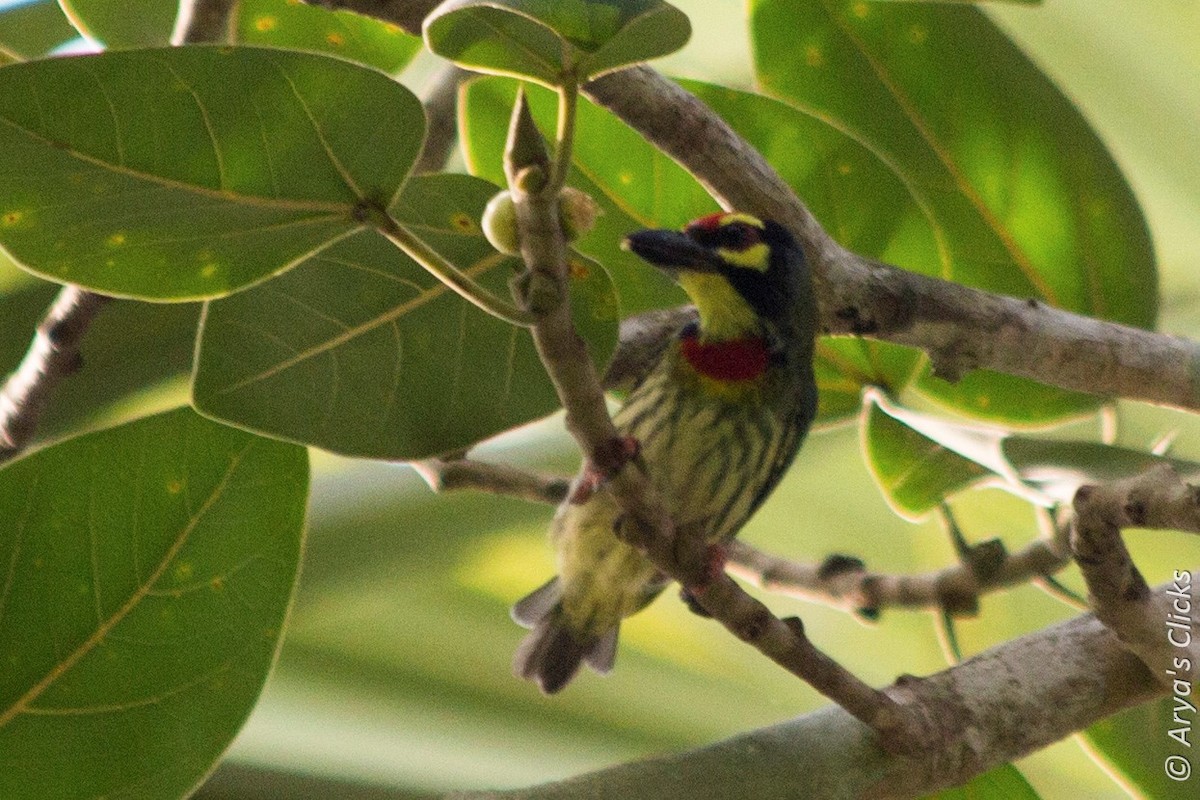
{"x":440,"y":100}
{"x":840,"y":581}
{"x":1118,"y":593}
{"x":204,"y":21}
{"x":53,"y":355}
{"x":961,"y":328}
{"x":647,"y":525}
{"x":462,"y":473}
{"x":989,"y":710}
{"x":845,"y":582}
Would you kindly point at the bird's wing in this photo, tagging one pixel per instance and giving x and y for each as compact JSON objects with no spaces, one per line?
{"x":643,"y":338}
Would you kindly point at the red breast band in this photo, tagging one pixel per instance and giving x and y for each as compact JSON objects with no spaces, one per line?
{"x":735,"y":360}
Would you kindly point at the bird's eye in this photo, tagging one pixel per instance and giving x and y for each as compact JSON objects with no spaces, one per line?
{"x":740,"y":236}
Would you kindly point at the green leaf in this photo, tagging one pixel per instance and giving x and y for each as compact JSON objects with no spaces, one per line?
{"x":1136,"y":744}
{"x":142,"y":23}
{"x":297,"y":26}
{"x":362,"y":352}
{"x":33,"y":29}
{"x":553,"y":43}
{"x":201,"y":170}
{"x":274,"y":23}
{"x":1017,"y":191}
{"x":1058,"y":468}
{"x":1005,"y":782}
{"x":150,"y":568}
{"x":916,"y":471}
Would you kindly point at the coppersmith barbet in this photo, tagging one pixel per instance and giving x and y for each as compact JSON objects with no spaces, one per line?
{"x":720,"y":397}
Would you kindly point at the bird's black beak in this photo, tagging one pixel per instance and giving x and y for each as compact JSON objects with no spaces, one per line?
{"x":671,"y":251}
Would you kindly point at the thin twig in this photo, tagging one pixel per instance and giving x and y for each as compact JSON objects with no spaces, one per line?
{"x":846,"y":583}
{"x":463,"y":473}
{"x":53,"y":355}
{"x":204,"y":21}
{"x":1142,"y":620}
{"x":440,"y":100}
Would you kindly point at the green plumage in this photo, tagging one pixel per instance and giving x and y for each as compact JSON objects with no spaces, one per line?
{"x":714,"y":447}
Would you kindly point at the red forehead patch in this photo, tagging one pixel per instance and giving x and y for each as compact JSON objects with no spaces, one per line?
{"x":709,"y":222}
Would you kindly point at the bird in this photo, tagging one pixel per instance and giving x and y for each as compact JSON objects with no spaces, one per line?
{"x":719,"y":396}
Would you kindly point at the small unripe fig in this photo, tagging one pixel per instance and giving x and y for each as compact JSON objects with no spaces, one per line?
{"x":577,"y":213}
{"x":500,"y":224}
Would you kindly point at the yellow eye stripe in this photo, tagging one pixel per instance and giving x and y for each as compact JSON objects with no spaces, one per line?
{"x":739,"y":216}
{"x":756,"y":256}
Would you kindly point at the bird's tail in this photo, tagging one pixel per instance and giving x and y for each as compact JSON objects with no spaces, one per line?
{"x":552,"y":651}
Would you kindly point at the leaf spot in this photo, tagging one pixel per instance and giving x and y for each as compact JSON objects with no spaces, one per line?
{"x":335,"y":38}
{"x":844,"y":168}
{"x":175,"y":487}
{"x":182,"y":572}
{"x":11,"y":219}
{"x":625,"y":177}
{"x":917,"y":34}
{"x":813,"y":56}
{"x":265,"y":23}
{"x":209,"y":270}
{"x":116,"y":240}
{"x":860,"y":9}
{"x":463,"y":222}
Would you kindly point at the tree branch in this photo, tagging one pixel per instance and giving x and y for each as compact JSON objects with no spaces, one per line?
{"x":845,"y":582}
{"x":1140,"y":618}
{"x":840,"y":581}
{"x":961,"y":328}
{"x":456,"y":474}
{"x":203,"y":21}
{"x":53,"y":355}
{"x":993,"y":708}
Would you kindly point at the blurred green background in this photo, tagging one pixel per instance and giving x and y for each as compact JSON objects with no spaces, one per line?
{"x":394,"y":676}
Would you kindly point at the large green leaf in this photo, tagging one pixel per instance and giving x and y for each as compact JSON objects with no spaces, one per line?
{"x":1019,"y":193}
{"x":917,"y":469}
{"x":149,"y":570}
{"x":275,"y":23}
{"x":1058,"y":468}
{"x":362,"y":352}
{"x":554,"y":42}
{"x":298,"y":26}
{"x":199,"y":170}
{"x":133,"y":23}
{"x":30,"y":30}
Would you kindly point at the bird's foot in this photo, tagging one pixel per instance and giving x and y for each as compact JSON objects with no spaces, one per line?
{"x":715,"y":557}
{"x":621,"y":451}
